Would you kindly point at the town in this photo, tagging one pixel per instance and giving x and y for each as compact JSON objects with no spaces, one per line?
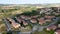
{"x":42,"y":19}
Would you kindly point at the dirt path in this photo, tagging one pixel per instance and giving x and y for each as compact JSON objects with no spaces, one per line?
{"x":2,"y":25}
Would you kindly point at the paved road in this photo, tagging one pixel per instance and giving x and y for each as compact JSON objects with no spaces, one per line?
{"x":55,"y":21}
{"x":7,"y":24}
{"x":25,"y":32}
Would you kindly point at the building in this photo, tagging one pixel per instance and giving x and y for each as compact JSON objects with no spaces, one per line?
{"x":57,"y":31}
{"x":49,"y":17}
{"x":41,"y":21}
{"x":51,"y":27}
{"x":18,"y":19}
{"x":13,"y":23}
{"x":48,"y":20}
{"x":36,"y":16}
{"x":25,"y":23}
{"x":28,"y":17}
{"x":33,"y":20}
{"x":57,"y":13}
{"x":23,"y":17}
{"x":59,"y":25}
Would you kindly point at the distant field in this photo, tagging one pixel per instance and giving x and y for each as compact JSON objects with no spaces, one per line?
{"x":14,"y":12}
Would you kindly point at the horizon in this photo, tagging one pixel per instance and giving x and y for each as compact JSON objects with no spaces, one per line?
{"x":29,"y":1}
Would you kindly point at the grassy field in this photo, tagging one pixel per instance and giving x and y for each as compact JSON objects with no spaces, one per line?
{"x":44,"y":32}
{"x":27,"y":29}
{"x":14,"y":12}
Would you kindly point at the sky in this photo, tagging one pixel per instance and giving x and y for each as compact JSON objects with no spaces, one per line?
{"x":28,"y":1}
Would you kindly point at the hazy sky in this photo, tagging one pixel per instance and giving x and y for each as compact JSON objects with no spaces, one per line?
{"x":28,"y":1}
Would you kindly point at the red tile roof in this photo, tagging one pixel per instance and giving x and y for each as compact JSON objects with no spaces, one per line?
{"x":57,"y":31}
{"x":33,"y":20}
{"x":24,"y":22}
{"x":34,"y":16}
{"x":14,"y":24}
{"x":41,"y":21}
{"x":49,"y":17}
{"x":51,"y":27}
{"x":23,"y":17}
{"x":48,"y":20}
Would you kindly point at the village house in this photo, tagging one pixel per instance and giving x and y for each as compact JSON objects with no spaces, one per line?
{"x":40,"y":10}
{"x":55,"y":9}
{"x":49,"y":17}
{"x":36,"y":16}
{"x":57,"y":31}
{"x":28,"y":17}
{"x":48,"y":13}
{"x":18,"y":19}
{"x":24,"y":22}
{"x":52,"y":27}
{"x":48,"y":20}
{"x":58,"y":25}
{"x":54,"y":12}
{"x":33,"y":20}
{"x":23,"y":17}
{"x":41,"y":21}
{"x":13,"y":23}
{"x":45,"y":10}
{"x":57,"y":13}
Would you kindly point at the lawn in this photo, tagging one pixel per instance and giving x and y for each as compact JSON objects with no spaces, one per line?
{"x":27,"y":29}
{"x":43,"y":32}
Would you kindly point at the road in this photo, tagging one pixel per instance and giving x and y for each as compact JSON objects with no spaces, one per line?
{"x":55,"y":21}
{"x":25,"y":32}
{"x":7,"y":24}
